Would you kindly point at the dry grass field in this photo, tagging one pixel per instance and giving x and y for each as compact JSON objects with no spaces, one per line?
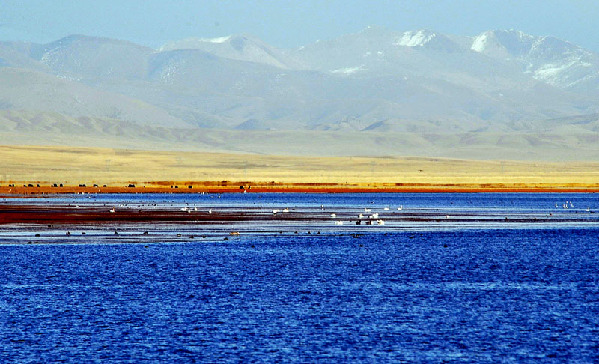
{"x":73,"y":166}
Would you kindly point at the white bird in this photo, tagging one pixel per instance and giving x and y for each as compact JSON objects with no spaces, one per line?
{"x":380,"y":222}
{"x":112,"y":210}
{"x":333,"y":215}
{"x":386,"y":208}
{"x":338,"y":222}
{"x":367,"y":210}
{"x":400,"y":208}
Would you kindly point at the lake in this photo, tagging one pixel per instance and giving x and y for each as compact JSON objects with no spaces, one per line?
{"x":447,"y":277}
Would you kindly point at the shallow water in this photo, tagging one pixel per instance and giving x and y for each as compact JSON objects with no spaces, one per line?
{"x":215,"y":216}
{"x":483,"y":292}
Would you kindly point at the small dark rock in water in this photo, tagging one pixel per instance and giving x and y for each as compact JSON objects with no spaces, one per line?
{"x":226,"y":238}
{"x":145,"y":233}
{"x":116,"y":232}
{"x":37,"y":235}
{"x":445,"y":245}
{"x":68,"y":233}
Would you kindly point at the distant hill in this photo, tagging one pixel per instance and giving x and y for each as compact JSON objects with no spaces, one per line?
{"x":435,"y":94}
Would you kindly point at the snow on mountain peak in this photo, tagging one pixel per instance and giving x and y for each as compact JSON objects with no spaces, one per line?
{"x":506,"y":43}
{"x":417,"y":38}
{"x":480,"y":43}
{"x":349,"y":70}
{"x":237,"y":47}
{"x":216,"y":40}
{"x":193,"y":43}
{"x":548,"y":59}
{"x":427,"y":39}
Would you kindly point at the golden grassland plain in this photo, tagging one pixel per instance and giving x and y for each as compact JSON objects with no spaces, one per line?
{"x":72,"y":166}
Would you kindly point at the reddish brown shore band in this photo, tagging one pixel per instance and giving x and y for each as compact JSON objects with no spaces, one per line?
{"x":240,"y":187}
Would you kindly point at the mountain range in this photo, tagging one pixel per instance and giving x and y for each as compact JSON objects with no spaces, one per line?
{"x":499,"y":94}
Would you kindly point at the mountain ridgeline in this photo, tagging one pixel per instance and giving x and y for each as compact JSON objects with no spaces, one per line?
{"x":499,"y":94}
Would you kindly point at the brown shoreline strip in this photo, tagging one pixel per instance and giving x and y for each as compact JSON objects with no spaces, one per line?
{"x":64,"y":215}
{"x":231,"y":187}
{"x":60,"y":215}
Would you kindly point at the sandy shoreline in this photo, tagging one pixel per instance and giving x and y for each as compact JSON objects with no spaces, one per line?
{"x":220,"y":172}
{"x":23,"y":189}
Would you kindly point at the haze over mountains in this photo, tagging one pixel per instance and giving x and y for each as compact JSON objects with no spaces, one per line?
{"x":499,"y":94}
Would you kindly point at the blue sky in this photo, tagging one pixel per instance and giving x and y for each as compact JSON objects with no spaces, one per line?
{"x":290,"y":24}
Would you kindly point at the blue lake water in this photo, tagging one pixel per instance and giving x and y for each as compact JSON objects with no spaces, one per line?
{"x":430,"y":289}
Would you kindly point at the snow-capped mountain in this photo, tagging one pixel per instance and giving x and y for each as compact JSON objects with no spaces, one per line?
{"x":418,"y":82}
{"x":377,"y":52}
{"x":430,"y":40}
{"x":548,"y":59}
{"x":238,"y":47}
